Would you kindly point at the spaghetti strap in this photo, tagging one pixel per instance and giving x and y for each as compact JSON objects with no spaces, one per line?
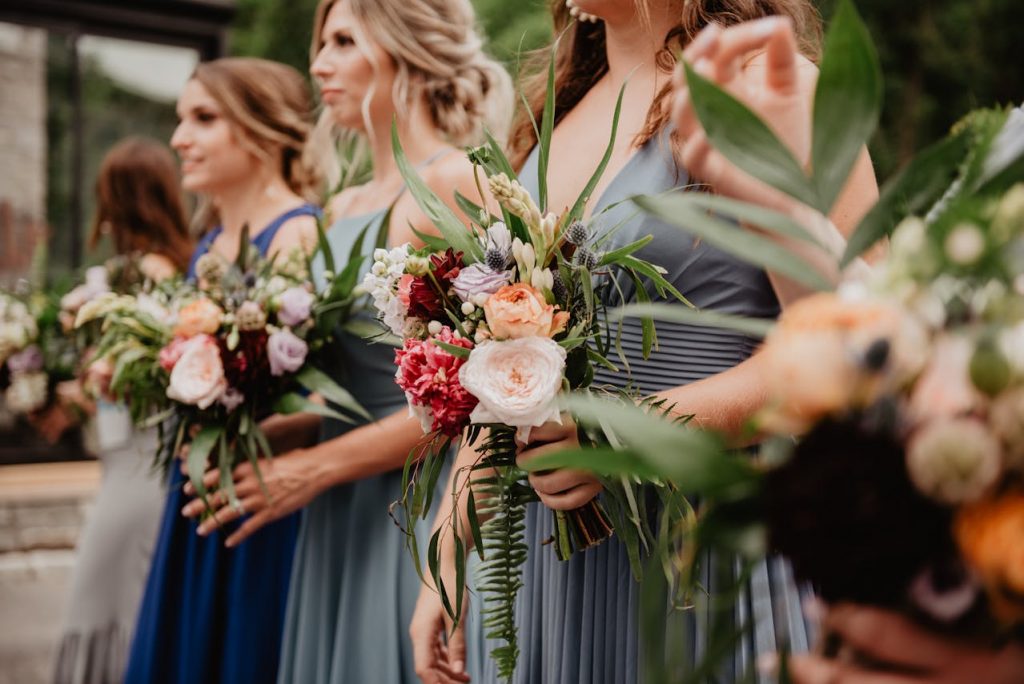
{"x":265,"y":237}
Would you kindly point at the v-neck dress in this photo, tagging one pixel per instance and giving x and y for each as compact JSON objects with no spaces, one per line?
{"x":578,"y":619}
{"x":209,"y":613}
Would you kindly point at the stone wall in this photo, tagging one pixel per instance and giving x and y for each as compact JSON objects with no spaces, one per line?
{"x":22,"y":146}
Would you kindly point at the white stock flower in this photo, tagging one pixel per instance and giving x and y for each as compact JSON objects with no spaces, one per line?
{"x":27,"y":392}
{"x":965,"y":244}
{"x":954,"y":460}
{"x":381,"y":283}
{"x":516,"y":381}
{"x":198,"y":377}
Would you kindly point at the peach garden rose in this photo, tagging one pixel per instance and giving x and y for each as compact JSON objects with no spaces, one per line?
{"x":201,"y":317}
{"x":520,"y":310}
{"x":516,"y":381}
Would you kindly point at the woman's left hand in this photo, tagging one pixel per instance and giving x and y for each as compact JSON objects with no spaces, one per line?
{"x":916,"y":655}
{"x":562,"y":489}
{"x":292,"y":480}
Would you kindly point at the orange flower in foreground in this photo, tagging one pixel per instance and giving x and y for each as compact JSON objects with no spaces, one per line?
{"x":990,"y":534}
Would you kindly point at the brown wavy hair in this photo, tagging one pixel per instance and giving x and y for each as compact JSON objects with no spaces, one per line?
{"x":270,"y":105}
{"x":581,"y":60}
{"x":139,"y":202}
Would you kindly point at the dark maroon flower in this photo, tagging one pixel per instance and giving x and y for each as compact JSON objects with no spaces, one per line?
{"x":246,"y":367}
{"x":426,"y":293}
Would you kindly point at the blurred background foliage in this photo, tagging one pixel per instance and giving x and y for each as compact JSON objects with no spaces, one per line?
{"x":941,"y":58}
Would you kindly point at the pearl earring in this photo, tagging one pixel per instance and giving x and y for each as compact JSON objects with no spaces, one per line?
{"x":578,"y":14}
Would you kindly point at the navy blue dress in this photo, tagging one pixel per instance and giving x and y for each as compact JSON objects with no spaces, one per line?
{"x":209,"y":613}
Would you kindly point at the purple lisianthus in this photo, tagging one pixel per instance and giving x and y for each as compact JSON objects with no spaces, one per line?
{"x":478,"y":279}
{"x":27,"y":360}
{"x":296,"y":303}
{"x":286,"y":352}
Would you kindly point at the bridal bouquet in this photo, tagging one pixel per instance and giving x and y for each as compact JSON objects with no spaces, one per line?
{"x":498,"y":320}
{"x":34,"y":354}
{"x":221,"y":353}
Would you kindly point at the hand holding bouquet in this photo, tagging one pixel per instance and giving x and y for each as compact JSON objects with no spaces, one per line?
{"x":220,"y":354}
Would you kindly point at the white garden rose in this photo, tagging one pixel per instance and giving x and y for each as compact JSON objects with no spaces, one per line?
{"x":198,"y":376}
{"x":516,"y":381}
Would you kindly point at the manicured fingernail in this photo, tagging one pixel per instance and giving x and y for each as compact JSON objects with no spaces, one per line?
{"x":458,"y":666}
{"x":230,"y":543}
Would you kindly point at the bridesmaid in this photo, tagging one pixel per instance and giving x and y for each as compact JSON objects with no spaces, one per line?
{"x":418,"y":63}
{"x":211,"y":614}
{"x":139,"y":204}
{"x":578,"y":620}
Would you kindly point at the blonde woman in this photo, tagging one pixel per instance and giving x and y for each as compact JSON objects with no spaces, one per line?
{"x":420,"y":64}
{"x":212,"y":614}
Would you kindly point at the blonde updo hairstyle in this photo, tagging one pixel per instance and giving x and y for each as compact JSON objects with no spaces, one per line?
{"x":269,"y":105}
{"x":438,"y":56}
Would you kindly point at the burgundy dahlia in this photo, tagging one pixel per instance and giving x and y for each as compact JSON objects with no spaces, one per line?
{"x":426,"y":293}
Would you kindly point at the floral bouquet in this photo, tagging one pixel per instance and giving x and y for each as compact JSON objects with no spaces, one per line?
{"x":904,"y":487}
{"x":498,"y":321}
{"x":220,"y":354}
{"x":34,"y":354}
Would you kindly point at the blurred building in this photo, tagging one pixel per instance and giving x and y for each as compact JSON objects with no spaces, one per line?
{"x":75,"y":77}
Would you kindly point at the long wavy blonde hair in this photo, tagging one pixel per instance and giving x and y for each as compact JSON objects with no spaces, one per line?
{"x":439,"y":59}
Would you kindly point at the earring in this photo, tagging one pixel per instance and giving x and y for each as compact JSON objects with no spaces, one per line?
{"x":578,"y":14}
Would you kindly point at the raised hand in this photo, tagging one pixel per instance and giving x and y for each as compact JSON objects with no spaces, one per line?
{"x":759,"y":64}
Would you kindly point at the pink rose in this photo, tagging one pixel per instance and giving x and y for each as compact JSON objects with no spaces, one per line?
{"x":201,"y":317}
{"x":198,"y":376}
{"x":286,"y":352}
{"x":404,"y":286}
{"x":170,"y":354}
{"x":519,"y":310}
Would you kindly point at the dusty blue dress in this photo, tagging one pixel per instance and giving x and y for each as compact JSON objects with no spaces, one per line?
{"x":578,"y":620}
{"x":209,"y":613}
{"x":354,"y":584}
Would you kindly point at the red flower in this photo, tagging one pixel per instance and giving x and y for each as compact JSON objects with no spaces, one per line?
{"x":426,"y":298}
{"x":246,"y":366}
{"x":429,"y":375}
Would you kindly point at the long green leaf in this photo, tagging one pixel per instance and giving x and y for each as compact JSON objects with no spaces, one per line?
{"x":847,"y":103}
{"x":659,"y":311}
{"x":547,"y":126}
{"x":765,"y":219}
{"x":746,"y":140}
{"x":296,"y":403}
{"x":912,"y":191}
{"x":443,"y":218}
{"x":727,"y":236}
{"x":581,"y":203}
{"x":324,"y":247}
{"x":316,"y":380}
{"x":198,"y":453}
{"x":615,"y":255}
